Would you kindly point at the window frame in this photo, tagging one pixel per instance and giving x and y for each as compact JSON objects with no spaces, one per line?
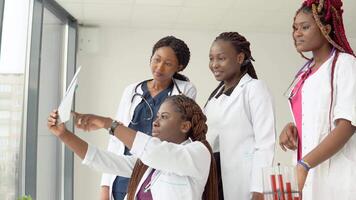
{"x":30,"y":120}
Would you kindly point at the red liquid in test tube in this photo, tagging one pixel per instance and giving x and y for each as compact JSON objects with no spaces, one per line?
{"x":274,"y":187}
{"x":281,"y":186}
{"x":289,"y":191}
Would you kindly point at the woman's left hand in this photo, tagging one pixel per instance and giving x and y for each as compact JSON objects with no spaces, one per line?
{"x":257,"y":196}
{"x":90,"y":122}
{"x":302,"y":174}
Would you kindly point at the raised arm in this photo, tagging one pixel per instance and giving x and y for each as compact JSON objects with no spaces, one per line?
{"x":186,"y":160}
{"x":159,"y":154}
{"x":74,"y":143}
{"x":191,"y":159}
{"x":100,"y":160}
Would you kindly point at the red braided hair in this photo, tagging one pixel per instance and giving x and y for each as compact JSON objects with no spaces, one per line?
{"x":329,"y":12}
{"x":190,"y":111}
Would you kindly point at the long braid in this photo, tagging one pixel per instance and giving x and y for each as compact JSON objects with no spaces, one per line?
{"x":137,"y":174}
{"x":216,"y":90}
{"x":329,"y":12}
{"x":241,"y":45}
{"x":191,"y":111}
{"x":332,"y":87}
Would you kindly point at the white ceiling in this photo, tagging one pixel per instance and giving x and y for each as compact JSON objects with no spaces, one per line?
{"x":273,"y":16}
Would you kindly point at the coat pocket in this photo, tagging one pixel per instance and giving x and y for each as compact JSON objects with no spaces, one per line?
{"x":172,"y":186}
{"x":349,"y":150}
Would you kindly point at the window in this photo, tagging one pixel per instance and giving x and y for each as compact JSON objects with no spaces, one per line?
{"x":35,"y":35}
{"x":12,"y":67}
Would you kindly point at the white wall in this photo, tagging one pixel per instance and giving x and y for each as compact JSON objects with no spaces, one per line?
{"x":112,"y":58}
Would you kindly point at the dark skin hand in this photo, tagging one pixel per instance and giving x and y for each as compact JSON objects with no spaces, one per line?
{"x":257,"y":196}
{"x":335,"y":140}
{"x":76,"y":144}
{"x":288,"y":139}
{"x":328,"y":147}
{"x":90,"y":122}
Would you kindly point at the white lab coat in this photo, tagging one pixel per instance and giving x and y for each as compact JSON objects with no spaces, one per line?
{"x":181,"y":172}
{"x":125,"y":113}
{"x":335,"y":178}
{"x":242,"y":129}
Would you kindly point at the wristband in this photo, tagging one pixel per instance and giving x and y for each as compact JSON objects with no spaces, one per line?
{"x":306,"y":165}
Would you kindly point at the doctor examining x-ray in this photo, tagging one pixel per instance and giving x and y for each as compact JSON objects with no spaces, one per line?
{"x":285,"y":95}
{"x":177,"y":99}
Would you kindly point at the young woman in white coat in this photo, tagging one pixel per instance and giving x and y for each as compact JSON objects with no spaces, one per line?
{"x":240,"y":119}
{"x":175,"y":163}
{"x":323,"y":103}
{"x":140,"y":102}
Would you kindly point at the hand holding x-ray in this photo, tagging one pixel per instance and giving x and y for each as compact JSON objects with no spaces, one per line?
{"x":65,"y":107}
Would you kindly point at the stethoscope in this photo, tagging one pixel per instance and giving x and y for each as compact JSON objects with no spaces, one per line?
{"x":136,"y":94}
{"x":289,"y":93}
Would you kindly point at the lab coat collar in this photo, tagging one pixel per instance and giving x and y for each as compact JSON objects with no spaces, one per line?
{"x":175,"y":89}
{"x":187,"y":141}
{"x":245,"y":79}
{"x":236,"y":89}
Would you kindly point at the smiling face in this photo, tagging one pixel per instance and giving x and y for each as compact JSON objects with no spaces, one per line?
{"x":169,"y":124}
{"x":164,"y":64}
{"x":225,"y":62}
{"x":306,"y":33}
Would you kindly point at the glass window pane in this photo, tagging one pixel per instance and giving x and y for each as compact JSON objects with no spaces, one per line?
{"x":10,"y":133}
{"x":12,"y":68}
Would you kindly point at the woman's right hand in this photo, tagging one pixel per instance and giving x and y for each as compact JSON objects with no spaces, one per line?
{"x":289,"y":137}
{"x":53,"y":125}
{"x":89,"y":122}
